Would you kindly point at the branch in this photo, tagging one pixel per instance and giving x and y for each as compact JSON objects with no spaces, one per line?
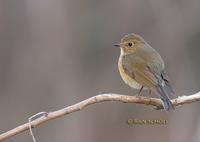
{"x":97,"y":99}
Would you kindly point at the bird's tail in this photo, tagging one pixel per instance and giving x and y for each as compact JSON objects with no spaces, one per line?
{"x":167,"y":104}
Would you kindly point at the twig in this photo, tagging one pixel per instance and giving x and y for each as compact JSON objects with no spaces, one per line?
{"x":40,"y":114}
{"x":97,"y":99}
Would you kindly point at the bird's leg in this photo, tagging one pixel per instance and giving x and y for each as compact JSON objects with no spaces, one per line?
{"x":139,"y":93}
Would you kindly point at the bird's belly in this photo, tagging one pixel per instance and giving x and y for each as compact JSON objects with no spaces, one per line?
{"x":128,"y":80}
{"x":132,"y":83}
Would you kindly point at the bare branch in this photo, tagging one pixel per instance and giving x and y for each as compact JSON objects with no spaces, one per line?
{"x":97,"y":99}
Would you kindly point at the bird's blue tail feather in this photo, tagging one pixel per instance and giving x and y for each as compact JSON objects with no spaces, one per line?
{"x":167,"y":104}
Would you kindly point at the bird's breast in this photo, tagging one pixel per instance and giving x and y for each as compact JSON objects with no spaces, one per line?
{"x":129,"y":80}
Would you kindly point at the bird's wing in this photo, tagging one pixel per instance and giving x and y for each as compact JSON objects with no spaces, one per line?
{"x":151,"y":80}
{"x":168,"y":85}
{"x":137,"y":68}
{"x":145,"y":77}
{"x":158,"y":70}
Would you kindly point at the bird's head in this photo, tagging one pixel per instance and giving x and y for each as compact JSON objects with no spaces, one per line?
{"x":130,"y":44}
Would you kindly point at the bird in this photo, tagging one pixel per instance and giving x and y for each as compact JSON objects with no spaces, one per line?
{"x":141,"y":67}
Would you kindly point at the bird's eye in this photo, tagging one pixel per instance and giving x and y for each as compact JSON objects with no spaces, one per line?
{"x":130,"y":44}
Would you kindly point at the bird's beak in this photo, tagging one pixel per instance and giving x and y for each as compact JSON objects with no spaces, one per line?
{"x":117,"y":45}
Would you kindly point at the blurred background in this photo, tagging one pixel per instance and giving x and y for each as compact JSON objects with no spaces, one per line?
{"x":56,"y":53}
